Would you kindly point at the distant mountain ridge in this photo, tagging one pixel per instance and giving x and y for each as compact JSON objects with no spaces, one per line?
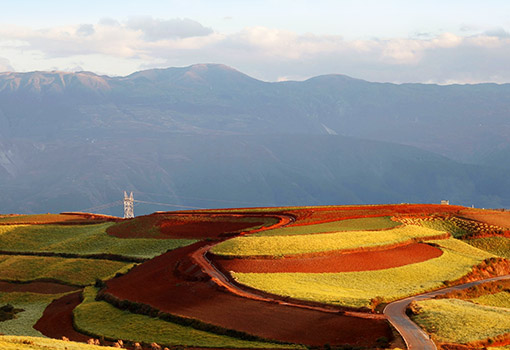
{"x":109,"y":121}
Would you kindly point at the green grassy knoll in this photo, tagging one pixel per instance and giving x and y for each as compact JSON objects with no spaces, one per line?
{"x":102,"y":319}
{"x":357,"y":289}
{"x":33,"y":306}
{"x":69,"y":271}
{"x":276,"y":246}
{"x":459,"y":321}
{"x":501,"y":299}
{"x":499,"y":246}
{"x":377,"y":223}
{"x":38,"y":343}
{"x":81,"y":240}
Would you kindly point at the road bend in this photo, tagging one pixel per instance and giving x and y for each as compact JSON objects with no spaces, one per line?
{"x":414,"y":337}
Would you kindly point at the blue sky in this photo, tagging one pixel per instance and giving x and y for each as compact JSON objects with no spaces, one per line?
{"x":398,"y":41}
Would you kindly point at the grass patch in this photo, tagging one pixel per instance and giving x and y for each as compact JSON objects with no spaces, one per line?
{"x":102,"y":319}
{"x":501,"y":299}
{"x":82,"y":240}
{"x":69,"y":271}
{"x":33,"y":306}
{"x":357,"y":289}
{"x":499,"y":246}
{"x":459,"y":321}
{"x":37,"y":343}
{"x":275,"y":246}
{"x":377,"y":223}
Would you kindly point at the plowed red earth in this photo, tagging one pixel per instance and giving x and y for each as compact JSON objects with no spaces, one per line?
{"x":57,"y":321}
{"x":491,"y":217}
{"x":36,"y":287}
{"x":154,"y":283}
{"x":359,"y":261}
{"x":317,"y":215}
{"x":185,"y":226}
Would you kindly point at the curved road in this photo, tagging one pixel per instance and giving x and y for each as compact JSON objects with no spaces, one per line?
{"x":414,"y":336}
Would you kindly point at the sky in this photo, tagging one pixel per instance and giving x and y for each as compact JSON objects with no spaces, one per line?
{"x":444,"y":42}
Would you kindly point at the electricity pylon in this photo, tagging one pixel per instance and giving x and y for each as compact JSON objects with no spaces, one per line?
{"x":129,"y":211}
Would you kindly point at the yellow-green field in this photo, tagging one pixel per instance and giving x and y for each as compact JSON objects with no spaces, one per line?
{"x":82,"y":240}
{"x":275,"y":246}
{"x":356,"y":289}
{"x":69,"y":271}
{"x":35,"y":343}
{"x":459,"y":321}
{"x":102,"y":319}
{"x":377,"y":223}
{"x":501,"y":299}
{"x":497,"y":245}
{"x":33,"y":306}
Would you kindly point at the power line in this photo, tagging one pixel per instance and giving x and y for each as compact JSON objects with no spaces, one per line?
{"x":201,"y":199}
{"x":168,"y":205}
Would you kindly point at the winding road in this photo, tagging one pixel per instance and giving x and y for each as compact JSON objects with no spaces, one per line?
{"x":414,"y":336}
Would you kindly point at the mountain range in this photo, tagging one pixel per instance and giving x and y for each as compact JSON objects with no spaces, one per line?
{"x":210,"y":136}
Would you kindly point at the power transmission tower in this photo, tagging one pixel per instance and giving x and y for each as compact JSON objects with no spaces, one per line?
{"x":129,"y":211}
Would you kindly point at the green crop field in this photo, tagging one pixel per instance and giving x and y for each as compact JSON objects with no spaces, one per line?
{"x":69,"y":271}
{"x":459,"y":321}
{"x":356,"y":289}
{"x":37,"y":343}
{"x":496,"y":245}
{"x":377,"y":223}
{"x":101,"y":318}
{"x":82,"y":240}
{"x":33,"y":306}
{"x":275,"y":246}
{"x":501,"y":299}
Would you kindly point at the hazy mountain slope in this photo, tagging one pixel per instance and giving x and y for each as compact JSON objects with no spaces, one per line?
{"x":227,"y":171}
{"x":461,"y":122}
{"x":70,"y":141}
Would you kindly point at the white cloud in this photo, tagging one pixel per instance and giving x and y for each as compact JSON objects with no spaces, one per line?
{"x":265,"y":53}
{"x":158,"y":29}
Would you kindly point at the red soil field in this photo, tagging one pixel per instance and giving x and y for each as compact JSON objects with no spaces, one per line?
{"x":318,"y":215}
{"x":193,"y":226}
{"x":57,"y":321}
{"x":491,"y":217}
{"x":155,"y":283}
{"x":36,"y":287}
{"x":336,"y":262}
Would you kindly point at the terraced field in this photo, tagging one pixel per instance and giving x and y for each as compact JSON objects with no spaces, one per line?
{"x":280,"y":246}
{"x":81,"y":240}
{"x":459,"y":321}
{"x":249,"y":278}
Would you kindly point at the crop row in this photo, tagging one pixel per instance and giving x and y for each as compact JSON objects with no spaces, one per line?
{"x":362,"y":289}
{"x":280,"y":246}
{"x":82,"y":240}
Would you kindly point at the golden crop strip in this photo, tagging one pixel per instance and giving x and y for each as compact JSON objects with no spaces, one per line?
{"x":300,"y":244}
{"x":356,"y":289}
{"x":36,"y":343}
{"x":459,"y":321}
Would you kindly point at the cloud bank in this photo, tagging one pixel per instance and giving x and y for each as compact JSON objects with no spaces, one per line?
{"x":119,"y":48}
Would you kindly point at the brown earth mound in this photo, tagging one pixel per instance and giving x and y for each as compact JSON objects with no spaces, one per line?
{"x":36,"y":287}
{"x":335,"y":262}
{"x":57,"y":320}
{"x":192,"y":226}
{"x":155,"y":283}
